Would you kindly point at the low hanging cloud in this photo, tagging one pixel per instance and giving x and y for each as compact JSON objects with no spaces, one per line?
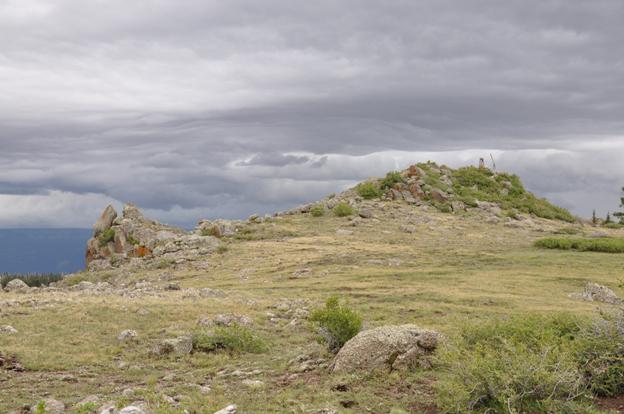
{"x":222,"y":109}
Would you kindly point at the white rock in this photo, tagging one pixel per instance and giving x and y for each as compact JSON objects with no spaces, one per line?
{"x":230,"y":409}
{"x":127,"y":335}
{"x":132,"y":409}
{"x":7,"y":329}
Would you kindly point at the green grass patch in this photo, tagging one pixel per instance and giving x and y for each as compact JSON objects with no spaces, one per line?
{"x":392,"y":178}
{"x":106,"y":236}
{"x":317,"y":210}
{"x":232,"y":339}
{"x":605,"y":245}
{"x":368,"y":190}
{"x":343,"y":210}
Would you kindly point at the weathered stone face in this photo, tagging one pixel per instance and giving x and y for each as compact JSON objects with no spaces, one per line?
{"x":105,"y":221}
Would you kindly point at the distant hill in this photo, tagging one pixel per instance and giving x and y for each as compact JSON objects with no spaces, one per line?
{"x":42,"y":250}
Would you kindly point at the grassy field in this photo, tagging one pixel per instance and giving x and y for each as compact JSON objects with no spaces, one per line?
{"x":452,"y":269}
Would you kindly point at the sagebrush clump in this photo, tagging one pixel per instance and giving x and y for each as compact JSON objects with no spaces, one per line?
{"x":232,"y":339}
{"x":343,"y":210}
{"x":605,"y":245}
{"x":368,"y":190}
{"x":532,"y":364}
{"x":337,"y":323}
{"x":317,"y":210}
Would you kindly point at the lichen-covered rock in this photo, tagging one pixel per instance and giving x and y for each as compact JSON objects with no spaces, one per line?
{"x":598,"y":293}
{"x":182,"y":345}
{"x":16,"y":285}
{"x":386,"y":347}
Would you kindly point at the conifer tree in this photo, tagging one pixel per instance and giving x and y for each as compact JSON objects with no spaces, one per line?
{"x":594,"y":218}
{"x":620,"y":214}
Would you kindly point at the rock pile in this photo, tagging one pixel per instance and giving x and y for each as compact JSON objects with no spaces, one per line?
{"x":118,"y":240}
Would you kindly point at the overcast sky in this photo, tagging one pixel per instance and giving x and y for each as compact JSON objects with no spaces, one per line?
{"x":218,"y":108}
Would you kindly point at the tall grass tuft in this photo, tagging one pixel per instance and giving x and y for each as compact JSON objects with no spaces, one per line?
{"x":32,"y":280}
{"x":605,"y":245}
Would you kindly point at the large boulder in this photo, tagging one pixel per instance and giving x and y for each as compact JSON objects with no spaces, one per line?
{"x":105,"y":221}
{"x":387,"y":347}
{"x":16,"y":285}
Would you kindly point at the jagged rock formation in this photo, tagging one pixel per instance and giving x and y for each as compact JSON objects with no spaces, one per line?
{"x":119,"y":240}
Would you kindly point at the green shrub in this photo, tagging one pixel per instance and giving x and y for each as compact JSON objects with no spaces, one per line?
{"x":531,"y":364}
{"x":317,"y":210}
{"x":568,"y":230}
{"x":392,"y":178}
{"x":343,"y":210}
{"x":368,"y":190}
{"x":222,"y":248}
{"x":32,"y":280}
{"x":40,"y":408}
{"x":605,"y":245}
{"x":337,"y":323}
{"x":106,"y":236}
{"x":232,"y":339}
{"x":613,"y":225}
{"x":87,"y":408}
{"x":131,"y":240}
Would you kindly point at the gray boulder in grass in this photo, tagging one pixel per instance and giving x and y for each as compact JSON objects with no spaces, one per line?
{"x":387,"y":347}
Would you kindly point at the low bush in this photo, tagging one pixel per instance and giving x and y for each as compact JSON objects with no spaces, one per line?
{"x":336,"y":322}
{"x":532,"y":364}
{"x":232,"y":339}
{"x":106,"y":236}
{"x":32,"y":280}
{"x":605,"y":245}
{"x":317,"y":210}
{"x":343,"y":210}
{"x":392,"y":178}
{"x":368,"y":190}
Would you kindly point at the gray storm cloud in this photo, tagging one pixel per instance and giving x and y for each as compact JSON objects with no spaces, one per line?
{"x":207,"y":108}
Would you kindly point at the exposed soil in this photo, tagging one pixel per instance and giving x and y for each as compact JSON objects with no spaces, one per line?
{"x":615,"y":403}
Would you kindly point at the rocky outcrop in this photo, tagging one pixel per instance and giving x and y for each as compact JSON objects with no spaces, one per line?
{"x":386,"y":347}
{"x":120,"y":239}
{"x":598,"y":293}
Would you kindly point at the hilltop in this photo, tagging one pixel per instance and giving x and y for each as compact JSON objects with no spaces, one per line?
{"x":430,"y":247}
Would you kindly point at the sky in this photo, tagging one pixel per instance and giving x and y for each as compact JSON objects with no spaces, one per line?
{"x":207,"y":108}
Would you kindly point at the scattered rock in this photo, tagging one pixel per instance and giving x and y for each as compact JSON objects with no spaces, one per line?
{"x":132,"y":409}
{"x":230,"y":409}
{"x":343,"y":232}
{"x":127,"y":335}
{"x":408,"y":229}
{"x":366,"y":213}
{"x":7,"y":329}
{"x":182,"y":345}
{"x":387,"y":347}
{"x":252,"y":383}
{"x":439,"y":195}
{"x":172,"y":286}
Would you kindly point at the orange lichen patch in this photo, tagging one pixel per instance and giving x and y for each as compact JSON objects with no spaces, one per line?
{"x":141,"y":251}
